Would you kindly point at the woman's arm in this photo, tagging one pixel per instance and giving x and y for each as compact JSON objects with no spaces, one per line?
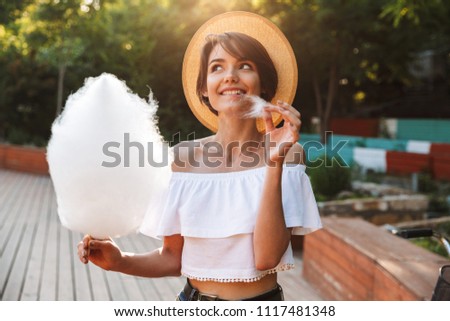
{"x":165,"y":261}
{"x":271,"y":236}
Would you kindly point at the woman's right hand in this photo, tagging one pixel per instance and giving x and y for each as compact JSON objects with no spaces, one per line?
{"x":103,"y":253}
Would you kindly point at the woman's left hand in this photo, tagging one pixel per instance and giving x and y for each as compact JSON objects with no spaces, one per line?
{"x":279,"y":140}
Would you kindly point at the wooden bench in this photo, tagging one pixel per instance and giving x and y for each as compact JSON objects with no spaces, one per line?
{"x":351,"y":259}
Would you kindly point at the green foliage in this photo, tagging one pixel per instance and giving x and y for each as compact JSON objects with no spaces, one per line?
{"x":438,"y":203}
{"x":427,"y":184}
{"x":18,"y":136}
{"x":431,"y":245}
{"x":369,"y":43}
{"x":330,"y":178}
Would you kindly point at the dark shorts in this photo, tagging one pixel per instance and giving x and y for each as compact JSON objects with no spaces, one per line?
{"x":191,"y":294}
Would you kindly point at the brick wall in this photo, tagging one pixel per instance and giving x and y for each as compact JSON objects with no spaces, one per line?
{"x":24,"y":159}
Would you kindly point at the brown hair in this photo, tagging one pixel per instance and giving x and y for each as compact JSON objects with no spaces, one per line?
{"x":239,"y":45}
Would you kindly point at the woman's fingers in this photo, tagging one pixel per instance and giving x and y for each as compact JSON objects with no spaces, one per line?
{"x":289,"y":114}
{"x":268,"y":121}
{"x":292,"y":114}
{"x":87,"y":244}
{"x":286,"y":106}
{"x":95,"y":244}
{"x":83,"y":249}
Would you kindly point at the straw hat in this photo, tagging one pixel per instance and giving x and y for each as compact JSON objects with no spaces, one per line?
{"x":258,"y":27}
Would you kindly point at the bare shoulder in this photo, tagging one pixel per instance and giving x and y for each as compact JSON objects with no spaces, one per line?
{"x":295,"y":155}
{"x":186,"y":154}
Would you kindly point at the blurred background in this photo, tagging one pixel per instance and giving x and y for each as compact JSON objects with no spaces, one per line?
{"x":357,"y":58}
{"x":374,"y":93}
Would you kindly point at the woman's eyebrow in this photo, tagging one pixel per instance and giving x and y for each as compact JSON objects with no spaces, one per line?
{"x":216,"y":60}
{"x":222,"y":60}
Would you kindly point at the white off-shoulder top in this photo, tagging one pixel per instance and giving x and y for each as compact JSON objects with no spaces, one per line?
{"x":216,"y":214}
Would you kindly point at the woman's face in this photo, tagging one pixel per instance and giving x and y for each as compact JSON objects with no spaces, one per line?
{"x":228,"y":78}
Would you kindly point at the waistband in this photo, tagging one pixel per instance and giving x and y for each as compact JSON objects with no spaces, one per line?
{"x":192,"y":294}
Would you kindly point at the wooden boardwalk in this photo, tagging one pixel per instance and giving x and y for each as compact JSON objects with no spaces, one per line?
{"x":38,"y":259}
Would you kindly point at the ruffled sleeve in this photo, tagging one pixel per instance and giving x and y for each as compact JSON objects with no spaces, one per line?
{"x":154,"y":218}
{"x":299,"y":204}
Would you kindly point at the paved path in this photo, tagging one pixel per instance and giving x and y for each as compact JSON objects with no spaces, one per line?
{"x":38,"y":255}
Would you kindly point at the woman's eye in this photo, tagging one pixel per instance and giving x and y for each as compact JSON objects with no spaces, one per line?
{"x":216,"y":68}
{"x":246,"y":66}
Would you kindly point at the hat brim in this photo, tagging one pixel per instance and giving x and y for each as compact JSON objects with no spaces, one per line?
{"x":258,"y":27}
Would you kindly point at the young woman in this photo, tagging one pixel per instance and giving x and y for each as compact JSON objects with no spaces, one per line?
{"x":235,"y":197}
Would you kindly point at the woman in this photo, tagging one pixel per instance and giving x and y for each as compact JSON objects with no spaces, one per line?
{"x":235,"y":197}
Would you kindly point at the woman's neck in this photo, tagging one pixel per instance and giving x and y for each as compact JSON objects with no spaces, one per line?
{"x":237,"y":138}
{"x":237,"y":131}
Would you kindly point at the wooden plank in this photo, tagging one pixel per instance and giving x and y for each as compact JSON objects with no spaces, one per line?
{"x":11,"y":211}
{"x":295,"y":286}
{"x":130,"y":283}
{"x":48,"y":290}
{"x":7,"y":179}
{"x":388,"y":288}
{"x":13,"y":229}
{"x":32,"y":281}
{"x":89,"y":281}
{"x":81,"y":276}
{"x":20,"y":264}
{"x":66,"y":292}
{"x":317,"y":275}
{"x":385,"y":255}
{"x":342,"y":254}
{"x":118,"y":292}
{"x":145,"y":244}
{"x":357,"y":281}
{"x":166,"y":288}
{"x":340,"y":277}
{"x":375,"y":243}
{"x":405,"y":273}
{"x":162,"y":288}
{"x":99,"y":285}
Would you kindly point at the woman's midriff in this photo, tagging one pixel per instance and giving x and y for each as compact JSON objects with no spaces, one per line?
{"x":236,"y":290}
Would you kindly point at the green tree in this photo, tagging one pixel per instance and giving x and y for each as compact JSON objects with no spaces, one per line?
{"x":56,"y":30}
{"x":350,"y":52}
{"x":353,"y":51}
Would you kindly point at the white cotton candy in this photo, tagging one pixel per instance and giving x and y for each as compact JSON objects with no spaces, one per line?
{"x":107,"y":159}
{"x":253,"y":106}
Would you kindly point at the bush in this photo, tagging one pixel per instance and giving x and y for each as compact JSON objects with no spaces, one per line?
{"x":330,"y":178}
{"x":438,"y":203}
{"x":427,"y":184}
{"x":431,"y":245}
{"x":18,"y":136}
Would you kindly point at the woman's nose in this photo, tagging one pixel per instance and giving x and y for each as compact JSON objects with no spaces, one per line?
{"x":231,"y":75}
